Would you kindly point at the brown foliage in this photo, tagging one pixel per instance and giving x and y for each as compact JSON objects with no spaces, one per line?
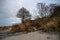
{"x":14,"y":28}
{"x":21,"y":28}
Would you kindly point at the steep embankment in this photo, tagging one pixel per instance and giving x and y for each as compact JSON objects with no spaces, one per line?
{"x":51,"y":23}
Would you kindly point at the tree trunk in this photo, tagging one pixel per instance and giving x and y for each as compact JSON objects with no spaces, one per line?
{"x":22,"y":19}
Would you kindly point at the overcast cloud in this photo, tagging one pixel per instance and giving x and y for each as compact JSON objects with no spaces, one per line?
{"x":9,"y":9}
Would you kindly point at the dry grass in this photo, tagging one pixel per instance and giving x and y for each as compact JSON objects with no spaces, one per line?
{"x":46,"y":24}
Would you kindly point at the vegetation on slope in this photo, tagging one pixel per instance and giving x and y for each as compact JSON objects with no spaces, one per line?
{"x":51,"y":23}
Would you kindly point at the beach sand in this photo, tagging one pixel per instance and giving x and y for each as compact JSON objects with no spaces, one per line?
{"x":34,"y":36}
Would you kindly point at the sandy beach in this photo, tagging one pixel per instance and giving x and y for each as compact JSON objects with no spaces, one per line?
{"x":34,"y":36}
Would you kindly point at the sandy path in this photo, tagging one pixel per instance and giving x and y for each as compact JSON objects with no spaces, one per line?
{"x":34,"y":36}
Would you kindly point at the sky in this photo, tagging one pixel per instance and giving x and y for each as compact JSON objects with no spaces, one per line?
{"x":9,"y":9}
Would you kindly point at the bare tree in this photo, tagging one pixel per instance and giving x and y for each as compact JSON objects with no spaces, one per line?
{"x":24,"y":14}
{"x":41,"y":9}
{"x":45,"y":10}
